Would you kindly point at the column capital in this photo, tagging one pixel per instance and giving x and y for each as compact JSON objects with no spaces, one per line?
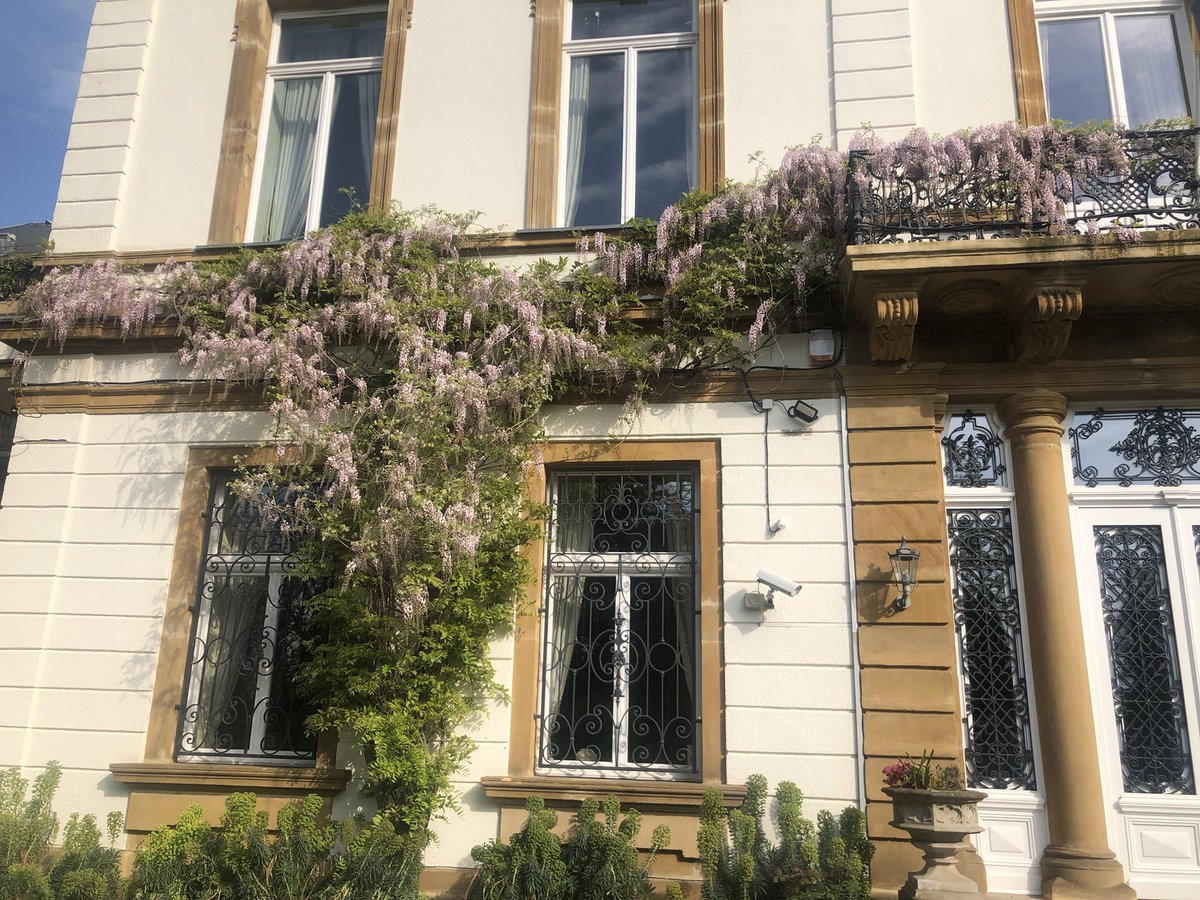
{"x":1031,"y":412}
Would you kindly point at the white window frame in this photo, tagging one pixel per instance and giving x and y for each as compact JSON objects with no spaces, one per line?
{"x":327,"y":69}
{"x":618,"y":566}
{"x":1107,"y":13}
{"x":1174,"y":510}
{"x":258,"y":564}
{"x":1018,"y":814}
{"x":630,"y":46}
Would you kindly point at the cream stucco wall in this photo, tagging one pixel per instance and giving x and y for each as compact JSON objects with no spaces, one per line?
{"x":86,"y":541}
{"x":142,"y":159}
{"x":962,"y":63}
{"x":464,"y":110}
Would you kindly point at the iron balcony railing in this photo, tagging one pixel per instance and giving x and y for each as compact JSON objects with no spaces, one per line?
{"x":1159,"y":191}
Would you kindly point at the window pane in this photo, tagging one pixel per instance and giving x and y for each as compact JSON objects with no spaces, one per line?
{"x":666,"y":130}
{"x":661,"y":663}
{"x":8,"y":431}
{"x":618,"y":18}
{"x":229,"y":653}
{"x":1150,"y":69}
{"x":331,"y":37}
{"x":1076,"y":77}
{"x":624,"y":513}
{"x":1146,"y":683}
{"x":286,"y":710}
{"x":595,"y":131}
{"x":580,"y":669}
{"x":351,"y":144}
{"x":287,"y":167}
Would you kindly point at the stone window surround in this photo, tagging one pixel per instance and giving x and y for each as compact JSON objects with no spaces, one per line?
{"x":1027,"y":57}
{"x":161,"y":788}
{"x":253,"y":24}
{"x":545,"y":114}
{"x":521,"y":780}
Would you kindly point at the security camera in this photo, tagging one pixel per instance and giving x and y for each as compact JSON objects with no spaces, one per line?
{"x":805,"y":412}
{"x":778,"y":582}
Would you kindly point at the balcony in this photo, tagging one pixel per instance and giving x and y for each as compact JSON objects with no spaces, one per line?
{"x":1160,"y":190}
{"x":948,"y":267}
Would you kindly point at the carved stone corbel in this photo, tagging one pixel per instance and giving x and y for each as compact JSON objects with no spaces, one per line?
{"x":892,"y":325}
{"x":1045,"y":321}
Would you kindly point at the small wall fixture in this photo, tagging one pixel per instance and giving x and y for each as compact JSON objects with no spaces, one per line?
{"x":758,"y":601}
{"x":904,"y":573}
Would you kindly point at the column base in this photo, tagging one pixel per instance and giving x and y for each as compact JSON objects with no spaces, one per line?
{"x":1070,"y":873}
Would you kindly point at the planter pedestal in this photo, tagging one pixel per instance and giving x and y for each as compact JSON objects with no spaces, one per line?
{"x":938,"y":822}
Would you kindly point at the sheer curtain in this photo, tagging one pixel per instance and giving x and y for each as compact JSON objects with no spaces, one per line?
{"x":287,"y":171}
{"x":577,"y":110}
{"x":231,"y":652}
{"x":1150,"y":69}
{"x":368,"y":112}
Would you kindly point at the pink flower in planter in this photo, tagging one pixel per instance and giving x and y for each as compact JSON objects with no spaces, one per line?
{"x":897,"y":775}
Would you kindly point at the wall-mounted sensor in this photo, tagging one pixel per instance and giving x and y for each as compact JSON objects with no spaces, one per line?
{"x":821,"y":346}
{"x":805,"y":412}
{"x":778,"y":582}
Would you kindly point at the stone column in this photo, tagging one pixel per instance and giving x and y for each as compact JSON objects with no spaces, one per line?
{"x":1078,"y":862}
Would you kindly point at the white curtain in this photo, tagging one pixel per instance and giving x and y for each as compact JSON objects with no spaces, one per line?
{"x":231,"y":648}
{"x":287,"y":169}
{"x":1150,"y":69}
{"x":566,"y":602}
{"x":577,"y":110}
{"x":368,"y":113}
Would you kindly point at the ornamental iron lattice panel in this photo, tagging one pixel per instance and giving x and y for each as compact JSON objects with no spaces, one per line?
{"x":987,"y":617}
{"x":8,"y":432}
{"x":888,"y":204}
{"x":248,"y":640}
{"x":1147,"y":689}
{"x":973,"y":451}
{"x":619,"y":678}
{"x":1159,"y":447}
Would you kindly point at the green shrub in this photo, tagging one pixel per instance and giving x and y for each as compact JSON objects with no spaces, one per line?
{"x":598,"y":861}
{"x":739,"y":862}
{"x":355,"y":860}
{"x":83,"y":869}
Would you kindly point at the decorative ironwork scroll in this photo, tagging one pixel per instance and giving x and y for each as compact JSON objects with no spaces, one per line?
{"x":1146,"y":684}
{"x":1159,"y":446}
{"x":619,"y":678}
{"x":247,"y":644}
{"x":987,"y":617}
{"x":1160,"y":190}
{"x":974,"y":452}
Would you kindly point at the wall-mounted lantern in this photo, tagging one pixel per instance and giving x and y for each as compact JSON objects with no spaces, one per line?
{"x":904,"y":572}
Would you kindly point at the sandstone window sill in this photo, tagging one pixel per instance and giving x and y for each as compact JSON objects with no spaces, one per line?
{"x":642,"y":795}
{"x":226,"y":778}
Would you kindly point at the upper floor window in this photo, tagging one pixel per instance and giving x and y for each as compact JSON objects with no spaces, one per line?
{"x":620,"y":667}
{"x":247,"y":643}
{"x":631,"y":120}
{"x":1113,"y":62}
{"x":322,"y":99}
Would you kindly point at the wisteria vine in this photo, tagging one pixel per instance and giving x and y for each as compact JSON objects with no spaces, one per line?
{"x":406,"y":375}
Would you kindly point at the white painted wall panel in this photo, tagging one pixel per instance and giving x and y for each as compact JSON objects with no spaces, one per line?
{"x":962,"y":64}
{"x":464,"y":111}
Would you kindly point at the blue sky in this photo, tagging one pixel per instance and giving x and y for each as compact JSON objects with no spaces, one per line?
{"x":41,"y":54}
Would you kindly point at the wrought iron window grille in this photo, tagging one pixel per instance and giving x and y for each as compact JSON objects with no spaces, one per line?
{"x":1159,"y":447}
{"x":1160,"y":191}
{"x":987,"y":618}
{"x":973,"y":452}
{"x":8,"y":433}
{"x":247,"y":646}
{"x":620,"y":675}
{"x":1146,"y":683}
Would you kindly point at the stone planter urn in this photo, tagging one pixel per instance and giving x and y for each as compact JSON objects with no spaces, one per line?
{"x":938,"y":822}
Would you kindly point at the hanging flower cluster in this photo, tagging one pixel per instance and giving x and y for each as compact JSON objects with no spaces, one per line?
{"x":406,"y":376}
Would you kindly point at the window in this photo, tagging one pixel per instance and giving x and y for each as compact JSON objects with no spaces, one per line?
{"x":1117,"y":63}
{"x":322,"y":99}
{"x":627,"y":109}
{"x":621,"y":619}
{"x":247,"y":641}
{"x":987,"y":608}
{"x":631,"y":109}
{"x":8,"y":433}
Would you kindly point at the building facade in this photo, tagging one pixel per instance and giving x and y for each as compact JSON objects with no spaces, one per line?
{"x":1021,"y":409}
